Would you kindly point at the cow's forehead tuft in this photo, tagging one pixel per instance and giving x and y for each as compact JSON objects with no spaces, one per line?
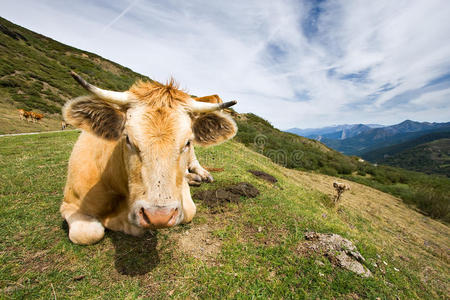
{"x":159,"y":125}
{"x":159,"y":95}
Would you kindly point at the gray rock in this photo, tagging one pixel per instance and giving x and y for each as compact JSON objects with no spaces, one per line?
{"x":340,"y":251}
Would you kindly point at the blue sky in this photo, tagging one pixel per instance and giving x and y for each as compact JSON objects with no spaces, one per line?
{"x":296,"y":63}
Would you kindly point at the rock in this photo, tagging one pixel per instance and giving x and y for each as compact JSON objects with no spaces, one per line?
{"x":350,"y":264}
{"x":340,"y":251}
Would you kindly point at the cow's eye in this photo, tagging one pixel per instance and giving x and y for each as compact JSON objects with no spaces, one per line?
{"x":130,"y":145}
{"x":186,"y":146}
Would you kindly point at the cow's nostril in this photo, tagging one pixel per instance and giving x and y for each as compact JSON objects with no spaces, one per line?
{"x":173,"y":217}
{"x":145,"y":220}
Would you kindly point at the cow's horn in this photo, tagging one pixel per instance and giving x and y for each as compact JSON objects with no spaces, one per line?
{"x":204,"y":107}
{"x":109,"y":96}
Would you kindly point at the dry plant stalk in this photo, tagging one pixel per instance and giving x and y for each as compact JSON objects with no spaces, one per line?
{"x":340,"y":189}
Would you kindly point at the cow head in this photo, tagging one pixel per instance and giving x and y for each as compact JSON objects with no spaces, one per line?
{"x":154,"y":124}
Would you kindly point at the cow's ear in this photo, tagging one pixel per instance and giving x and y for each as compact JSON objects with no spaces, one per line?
{"x":96,"y":116}
{"x":213,"y":128}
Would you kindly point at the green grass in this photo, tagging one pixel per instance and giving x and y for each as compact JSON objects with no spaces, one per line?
{"x":37,"y":259}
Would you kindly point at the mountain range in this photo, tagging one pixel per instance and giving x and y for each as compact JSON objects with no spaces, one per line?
{"x":333,"y":132}
{"x":417,"y":146}
{"x":358,"y":139}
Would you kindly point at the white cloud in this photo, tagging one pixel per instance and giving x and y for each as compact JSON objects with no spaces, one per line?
{"x":259,"y":52}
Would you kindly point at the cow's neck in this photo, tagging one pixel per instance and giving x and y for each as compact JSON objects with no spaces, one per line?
{"x":115,"y":176}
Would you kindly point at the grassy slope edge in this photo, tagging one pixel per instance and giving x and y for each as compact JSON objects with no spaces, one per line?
{"x":247,"y":250}
{"x":429,"y":193}
{"x":429,"y":154}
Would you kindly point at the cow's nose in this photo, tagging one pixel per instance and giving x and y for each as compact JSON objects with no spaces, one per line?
{"x":157,"y":217}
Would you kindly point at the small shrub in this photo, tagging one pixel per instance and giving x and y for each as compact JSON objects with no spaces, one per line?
{"x":361,"y":173}
{"x":329,"y":171}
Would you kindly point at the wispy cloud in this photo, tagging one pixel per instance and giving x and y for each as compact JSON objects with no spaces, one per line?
{"x":130,"y":6}
{"x":296,"y":63}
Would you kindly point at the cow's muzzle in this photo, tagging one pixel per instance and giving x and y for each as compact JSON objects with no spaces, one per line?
{"x":157,"y":217}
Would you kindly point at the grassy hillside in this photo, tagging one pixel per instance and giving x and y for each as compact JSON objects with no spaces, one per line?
{"x":429,"y":154}
{"x":34,"y":75}
{"x":431,"y":157}
{"x":291,"y":150}
{"x":431,"y":194}
{"x":249,"y":249}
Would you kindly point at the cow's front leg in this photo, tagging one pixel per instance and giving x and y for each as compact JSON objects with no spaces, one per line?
{"x":121,"y":222}
{"x":189,"y":208}
{"x":83,"y":229}
{"x":196,"y":173}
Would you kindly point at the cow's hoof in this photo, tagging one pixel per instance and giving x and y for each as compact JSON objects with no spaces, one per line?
{"x":208,"y":178}
{"x":193,"y":179}
{"x":204,"y":175}
{"x":84,"y":232}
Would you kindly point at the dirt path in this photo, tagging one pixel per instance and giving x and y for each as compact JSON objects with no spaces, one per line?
{"x":39,"y":132}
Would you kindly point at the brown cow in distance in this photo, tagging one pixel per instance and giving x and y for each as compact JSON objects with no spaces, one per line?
{"x":127,"y":170}
{"x":30,"y":115}
{"x":36,"y":117}
{"x":64,"y":125}
{"x":24,"y":115}
{"x":21,"y":113}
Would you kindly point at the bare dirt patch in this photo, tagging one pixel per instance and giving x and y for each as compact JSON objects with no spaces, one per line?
{"x":217,"y":199}
{"x":200,"y":243}
{"x":264,"y":176}
{"x":266,"y":235}
{"x":339,"y":251}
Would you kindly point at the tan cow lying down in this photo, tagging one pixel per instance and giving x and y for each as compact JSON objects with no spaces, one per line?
{"x":127,"y":171}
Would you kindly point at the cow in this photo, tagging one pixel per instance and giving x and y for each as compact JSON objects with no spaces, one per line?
{"x":32,"y":116}
{"x":21,"y":113}
{"x":36,"y":117}
{"x":63,"y":125}
{"x":127,"y":170}
{"x":24,"y":115}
